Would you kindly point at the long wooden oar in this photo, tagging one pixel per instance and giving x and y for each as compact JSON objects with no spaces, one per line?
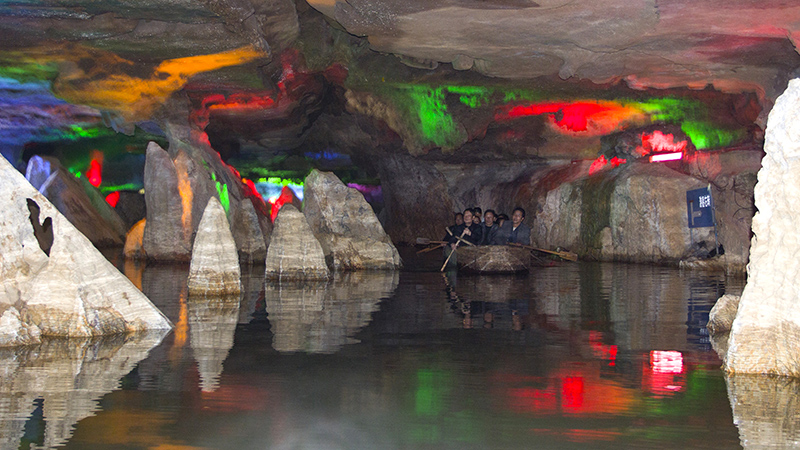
{"x":426,"y":241}
{"x":569,"y":256}
{"x":426,"y":250}
{"x":454,"y":250}
{"x":462,"y":234}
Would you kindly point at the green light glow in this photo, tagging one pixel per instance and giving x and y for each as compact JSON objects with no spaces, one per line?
{"x":436,"y":124}
{"x":121,"y":187}
{"x":222,"y":191}
{"x":472,"y":96}
{"x":706,"y":135}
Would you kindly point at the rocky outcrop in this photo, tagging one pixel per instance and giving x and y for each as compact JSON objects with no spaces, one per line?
{"x":410,"y":186}
{"x":167,"y":234}
{"x":133,"y":241}
{"x":214,"y":268}
{"x":67,"y":288}
{"x":765,"y":336}
{"x":13,"y":331}
{"x":247,"y":233}
{"x":344,"y":223}
{"x":720,"y":319}
{"x":90,"y":214}
{"x":69,"y":377}
{"x":294,"y":252}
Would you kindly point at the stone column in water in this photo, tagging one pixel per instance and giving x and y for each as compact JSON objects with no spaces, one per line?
{"x":765,"y":337}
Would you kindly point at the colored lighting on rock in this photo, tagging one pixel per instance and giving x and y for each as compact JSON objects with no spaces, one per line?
{"x":287,"y":195}
{"x":94,"y":174}
{"x":591,"y":117}
{"x":661,"y":157}
{"x":598,"y":164}
{"x":113,"y":199}
{"x":132,"y":97}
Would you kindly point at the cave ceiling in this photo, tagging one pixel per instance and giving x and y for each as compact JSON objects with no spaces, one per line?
{"x":449,"y":80}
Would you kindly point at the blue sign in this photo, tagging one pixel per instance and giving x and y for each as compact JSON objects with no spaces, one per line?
{"x":700,"y":208}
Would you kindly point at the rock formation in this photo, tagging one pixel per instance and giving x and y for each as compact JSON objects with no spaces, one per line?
{"x":765,"y":336}
{"x":344,"y":223}
{"x":294,"y":252}
{"x":248,"y":234}
{"x":69,"y":289}
{"x":91,"y":215}
{"x":133,"y":241}
{"x":410,"y":186}
{"x":214,"y":268}
{"x":722,"y":314}
{"x":68,"y":377}
{"x":167,"y":234}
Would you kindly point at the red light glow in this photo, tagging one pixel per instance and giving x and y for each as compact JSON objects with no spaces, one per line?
{"x":590,"y":117}
{"x":113,"y":198}
{"x":661,"y":157}
{"x":287,"y":196}
{"x":666,"y":361}
{"x":94,"y":174}
{"x":598,"y":164}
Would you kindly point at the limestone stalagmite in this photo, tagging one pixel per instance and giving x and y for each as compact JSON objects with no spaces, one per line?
{"x":247,"y":233}
{"x":91,"y":216}
{"x":215,"y":264}
{"x":70,"y":290}
{"x":168,"y":231}
{"x":345,"y":225}
{"x":294,"y":252}
{"x":765,"y":337}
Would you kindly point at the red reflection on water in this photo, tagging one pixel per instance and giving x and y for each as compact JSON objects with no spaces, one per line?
{"x":572,"y":393}
{"x":665,"y":374}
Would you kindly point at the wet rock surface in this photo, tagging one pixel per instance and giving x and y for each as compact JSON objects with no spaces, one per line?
{"x":720,"y":319}
{"x":91,"y":215}
{"x":351,"y":236}
{"x":70,"y":289}
{"x":214,"y":268}
{"x":766,"y":332}
{"x":294,"y":252}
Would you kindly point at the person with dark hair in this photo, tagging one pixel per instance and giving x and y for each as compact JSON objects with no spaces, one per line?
{"x":520,"y":233}
{"x":469,"y":230}
{"x":477,"y":214}
{"x":489,"y":227}
{"x":459,"y":220}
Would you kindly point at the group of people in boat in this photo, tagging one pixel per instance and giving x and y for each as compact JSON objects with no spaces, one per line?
{"x":488,"y":228}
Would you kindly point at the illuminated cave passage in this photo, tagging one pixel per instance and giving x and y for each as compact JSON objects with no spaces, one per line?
{"x":339,"y":139}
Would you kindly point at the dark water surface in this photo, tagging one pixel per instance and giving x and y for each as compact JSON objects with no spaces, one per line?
{"x":582,"y":355}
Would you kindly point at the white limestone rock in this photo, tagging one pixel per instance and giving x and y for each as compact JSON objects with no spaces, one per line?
{"x":73,"y":291}
{"x":215,"y":263}
{"x":13,"y":331}
{"x":722,"y":314}
{"x":247,"y":233}
{"x":294,"y":252}
{"x":346,"y":226}
{"x":765,"y":337}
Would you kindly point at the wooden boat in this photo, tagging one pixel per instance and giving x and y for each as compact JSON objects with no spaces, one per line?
{"x":493,"y":259}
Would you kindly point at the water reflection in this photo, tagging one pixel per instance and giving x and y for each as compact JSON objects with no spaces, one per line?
{"x":212,"y":323}
{"x":321,"y":317}
{"x":765,"y":409}
{"x":46,"y":389}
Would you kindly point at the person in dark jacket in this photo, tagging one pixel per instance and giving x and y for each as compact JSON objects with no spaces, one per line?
{"x":469,"y":231}
{"x":520,"y":233}
{"x":489,"y":227}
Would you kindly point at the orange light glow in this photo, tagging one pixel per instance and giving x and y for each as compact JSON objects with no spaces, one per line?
{"x":108,"y":86}
{"x":187,"y":196}
{"x":181,"y":328}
